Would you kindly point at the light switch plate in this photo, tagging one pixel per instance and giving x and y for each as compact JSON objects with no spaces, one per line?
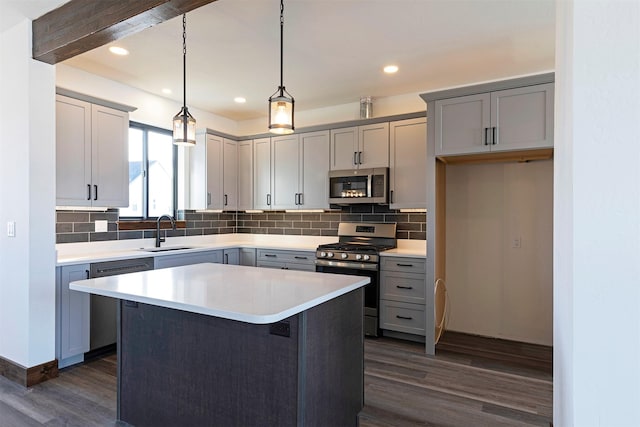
{"x":11,"y":229}
{"x":101,"y":226}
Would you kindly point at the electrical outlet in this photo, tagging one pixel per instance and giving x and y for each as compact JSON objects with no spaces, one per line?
{"x":516,"y":243}
{"x":101,"y":226}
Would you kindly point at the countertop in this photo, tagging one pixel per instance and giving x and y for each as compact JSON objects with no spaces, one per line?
{"x":79,"y":253}
{"x":247,"y":294}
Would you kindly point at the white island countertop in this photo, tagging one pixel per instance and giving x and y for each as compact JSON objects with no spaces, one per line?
{"x":247,"y":294}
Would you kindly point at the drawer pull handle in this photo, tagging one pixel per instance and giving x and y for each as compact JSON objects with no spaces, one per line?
{"x":301,"y":257}
{"x":404,"y":265}
{"x":404,"y":287}
{"x":404,"y":317}
{"x":271,"y":255}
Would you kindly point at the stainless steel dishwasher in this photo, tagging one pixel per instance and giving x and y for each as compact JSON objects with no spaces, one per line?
{"x":103,"y":326}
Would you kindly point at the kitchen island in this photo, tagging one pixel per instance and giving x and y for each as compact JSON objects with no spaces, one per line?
{"x":216,"y":344}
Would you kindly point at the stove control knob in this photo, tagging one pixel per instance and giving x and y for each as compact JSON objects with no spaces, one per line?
{"x":344,"y":256}
{"x":323,"y":254}
{"x":358,"y":257}
{"x":367,"y":257}
{"x":329,"y":254}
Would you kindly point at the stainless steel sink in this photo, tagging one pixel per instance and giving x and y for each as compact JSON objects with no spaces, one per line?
{"x":171,"y":248}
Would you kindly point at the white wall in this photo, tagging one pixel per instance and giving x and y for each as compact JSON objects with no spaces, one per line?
{"x":27,"y":196}
{"x":495,"y":289}
{"x":597,"y":214}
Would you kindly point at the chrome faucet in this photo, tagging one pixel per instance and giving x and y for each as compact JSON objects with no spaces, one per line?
{"x":160,"y":239}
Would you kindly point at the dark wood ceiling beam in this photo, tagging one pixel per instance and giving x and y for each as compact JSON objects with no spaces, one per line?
{"x":81,"y":25}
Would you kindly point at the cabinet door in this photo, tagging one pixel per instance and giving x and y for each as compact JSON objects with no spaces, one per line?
{"x":110,"y":157}
{"x":248,"y":256}
{"x":72,"y":315}
{"x":262,"y":173}
{"x":73,"y":152}
{"x":461,"y":125}
{"x":315,"y":170}
{"x":344,"y":148}
{"x":285,"y":171}
{"x":230,"y":171}
{"x":373,"y":151}
{"x":245,"y":175}
{"x":408,"y":164}
{"x":206,"y":173}
{"x":231,"y":256}
{"x":214,"y":172}
{"x":523,"y":118}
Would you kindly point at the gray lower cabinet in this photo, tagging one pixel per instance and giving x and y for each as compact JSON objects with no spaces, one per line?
{"x":402,"y":295}
{"x":287,"y":260}
{"x":166,"y":261}
{"x":248,"y":256}
{"x":72,"y":316}
{"x":231,"y":256}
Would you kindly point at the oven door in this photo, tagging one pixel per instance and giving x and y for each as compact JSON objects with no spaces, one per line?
{"x":371,"y":294}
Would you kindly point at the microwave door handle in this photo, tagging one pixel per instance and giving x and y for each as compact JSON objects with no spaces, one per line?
{"x":369,"y":185}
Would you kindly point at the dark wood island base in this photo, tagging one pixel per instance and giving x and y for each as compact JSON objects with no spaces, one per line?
{"x":181,"y":368}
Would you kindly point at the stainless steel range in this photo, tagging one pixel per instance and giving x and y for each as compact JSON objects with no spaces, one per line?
{"x":357,"y":253}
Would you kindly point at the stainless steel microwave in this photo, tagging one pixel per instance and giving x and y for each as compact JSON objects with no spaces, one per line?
{"x":354,"y":186}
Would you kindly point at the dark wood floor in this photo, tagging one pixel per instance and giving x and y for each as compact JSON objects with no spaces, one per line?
{"x":471,"y":381}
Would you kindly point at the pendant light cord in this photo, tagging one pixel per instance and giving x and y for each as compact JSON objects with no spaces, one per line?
{"x":184,"y":59}
{"x":281,"y":45}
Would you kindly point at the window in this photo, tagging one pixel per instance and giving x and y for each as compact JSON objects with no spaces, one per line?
{"x":152,"y":177}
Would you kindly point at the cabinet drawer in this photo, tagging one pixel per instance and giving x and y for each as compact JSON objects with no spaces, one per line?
{"x":286,"y":256}
{"x":399,"y":286}
{"x":286,"y":265}
{"x":402,"y":317}
{"x":408,"y":265}
{"x":270,"y":264}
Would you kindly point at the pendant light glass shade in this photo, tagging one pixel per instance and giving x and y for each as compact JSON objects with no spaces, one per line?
{"x":184,"y":128}
{"x":281,"y":103}
{"x":184,"y":125}
{"x":281,"y":112}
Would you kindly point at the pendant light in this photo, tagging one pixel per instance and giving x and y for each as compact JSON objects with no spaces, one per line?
{"x":184,"y":125}
{"x":281,"y":102}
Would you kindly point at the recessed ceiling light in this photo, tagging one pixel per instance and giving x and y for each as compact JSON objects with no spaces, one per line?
{"x":117,"y":50}
{"x":240,"y":99}
{"x":390,"y":69}
{"x":166,"y":91}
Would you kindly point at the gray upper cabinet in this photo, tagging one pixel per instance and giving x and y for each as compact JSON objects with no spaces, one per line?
{"x":299,"y":168}
{"x":245,"y":175}
{"x":262,"y":173}
{"x":511,"y":119}
{"x":92,"y":166}
{"x":314,"y":187}
{"x":230,"y":175}
{"x":213,"y":164}
{"x":285,"y":171}
{"x":407,"y":163}
{"x":360,"y":147}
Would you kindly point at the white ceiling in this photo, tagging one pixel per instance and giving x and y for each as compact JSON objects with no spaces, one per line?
{"x":334,"y":50}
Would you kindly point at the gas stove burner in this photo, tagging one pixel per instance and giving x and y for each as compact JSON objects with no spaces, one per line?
{"x":351,"y":247}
